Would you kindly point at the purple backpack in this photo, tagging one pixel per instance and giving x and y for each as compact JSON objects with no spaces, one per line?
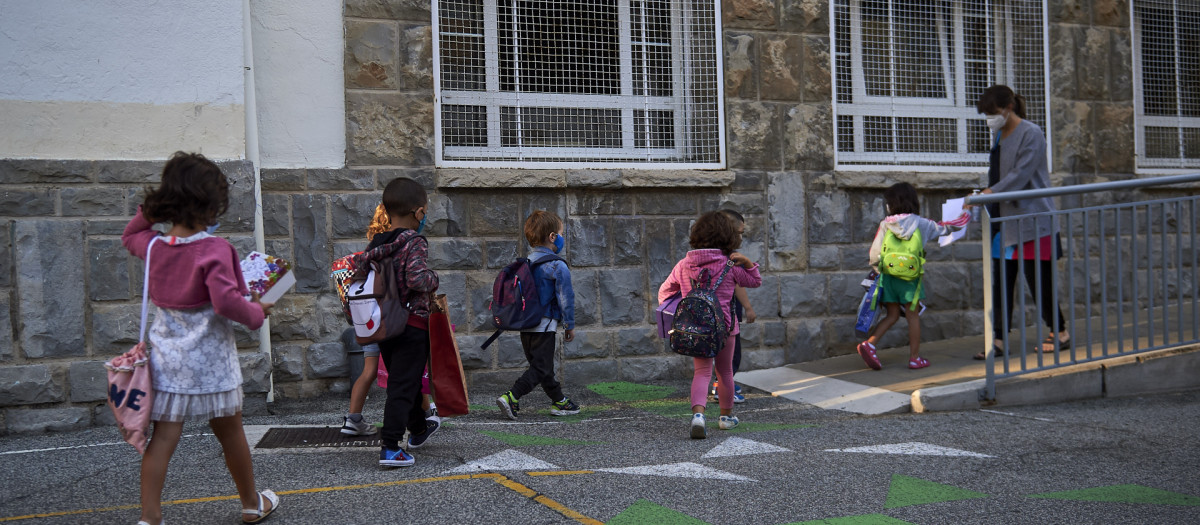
{"x":699,"y":328}
{"x":515,"y":302}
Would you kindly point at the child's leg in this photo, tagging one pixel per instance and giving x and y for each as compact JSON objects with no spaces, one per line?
{"x":893,"y":315}
{"x":702,"y":371}
{"x":362,"y":385}
{"x":404,"y":357}
{"x":230,"y":434}
{"x":154,"y":467}
{"x":914,"y":331}
{"x":724,"y":364}
{"x":540,"y":352}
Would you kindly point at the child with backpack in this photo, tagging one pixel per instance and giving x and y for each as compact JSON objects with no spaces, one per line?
{"x":405,"y":355}
{"x":712,"y":265}
{"x":544,"y":231}
{"x":898,"y":256}
{"x":197,"y":288}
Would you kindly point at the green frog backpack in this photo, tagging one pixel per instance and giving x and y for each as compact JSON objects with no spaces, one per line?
{"x":903,"y":259}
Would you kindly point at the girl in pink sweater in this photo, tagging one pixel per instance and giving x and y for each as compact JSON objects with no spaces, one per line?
{"x":196,"y":284}
{"x":714,"y":238}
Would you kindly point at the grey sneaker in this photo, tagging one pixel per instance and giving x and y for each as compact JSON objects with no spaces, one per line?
{"x":361,"y":428}
{"x":566,"y":407}
{"x":698,"y":430}
{"x":508,"y":405}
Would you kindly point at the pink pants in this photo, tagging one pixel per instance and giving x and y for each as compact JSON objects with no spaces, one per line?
{"x":703,"y":372}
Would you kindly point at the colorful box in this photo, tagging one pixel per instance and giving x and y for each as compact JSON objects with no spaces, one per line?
{"x":269,"y":277}
{"x":664,"y":315}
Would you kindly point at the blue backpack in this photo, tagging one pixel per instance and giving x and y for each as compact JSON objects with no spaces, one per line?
{"x":515,"y":302}
{"x":699,"y":328}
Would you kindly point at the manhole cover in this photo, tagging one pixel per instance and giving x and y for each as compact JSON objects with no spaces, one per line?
{"x":306,"y":437}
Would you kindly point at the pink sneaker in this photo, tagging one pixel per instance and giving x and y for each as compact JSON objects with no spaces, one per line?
{"x":919,"y":362}
{"x":867,"y":351}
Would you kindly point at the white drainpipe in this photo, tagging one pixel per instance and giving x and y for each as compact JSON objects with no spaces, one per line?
{"x":264,"y":333}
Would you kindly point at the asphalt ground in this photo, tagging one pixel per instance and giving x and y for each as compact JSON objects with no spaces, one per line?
{"x":1132,"y":460}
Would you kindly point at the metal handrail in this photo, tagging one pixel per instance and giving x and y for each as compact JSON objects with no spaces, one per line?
{"x":991,"y":198}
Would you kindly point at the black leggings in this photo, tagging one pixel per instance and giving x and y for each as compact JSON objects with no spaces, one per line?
{"x":1029,"y":267}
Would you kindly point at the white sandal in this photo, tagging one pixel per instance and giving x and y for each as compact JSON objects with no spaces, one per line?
{"x":259,"y":511}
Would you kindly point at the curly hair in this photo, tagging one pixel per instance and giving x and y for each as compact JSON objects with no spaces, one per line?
{"x":379,"y":222}
{"x":539,"y":225}
{"x":715,"y":230}
{"x":193,"y":192}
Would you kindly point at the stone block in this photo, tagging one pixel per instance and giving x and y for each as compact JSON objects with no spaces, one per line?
{"x":744,"y":203}
{"x":455,"y":254}
{"x":88,"y":381}
{"x":804,"y":16}
{"x":748,"y":14}
{"x":311,"y":259}
{"x":638,"y":341}
{"x":327,"y":360}
{"x":115,"y":327}
{"x":638,"y":369}
{"x":129,"y":172}
{"x":577,"y":372}
{"x":48,"y":254}
{"x":1070,"y":12}
{"x":750,"y":334}
{"x":240,"y":215}
{"x":1062,"y":47}
{"x":659,"y":258}
{"x":829,"y":217}
{"x":6,"y":254}
{"x":589,"y":343}
{"x":808,"y":130}
{"x":414,"y":10}
{"x":589,"y":178}
{"x":817,"y":80}
{"x":948,"y":285}
{"x":291,"y":179}
{"x":6,"y":331}
{"x":780,"y":67}
{"x":741,"y":57}
{"x":479,"y":296}
{"x":256,"y":373}
{"x":342,"y":179}
{"x":501,"y":253}
{"x":1091,"y":66}
{"x":372,"y":54}
{"x":587,"y":296}
{"x":1074,"y":142}
{"x":495,"y":213}
{"x":108,"y":269}
{"x":667,"y":203}
{"x":102,"y":416}
{"x":555,"y":203}
{"x":389,"y":129}
{"x":38,"y":171}
{"x":1120,"y":72}
{"x":500,"y":178}
{"x":454,"y":285}
{"x":491,"y":381}
{"x":867,"y":210}
{"x":824,"y":257}
{"x":803,"y":295}
{"x":27,"y":385}
{"x":28,"y":203}
{"x":806,"y":340}
{"x":509,"y":352}
{"x":1115,"y":140}
{"x":587,"y":242}
{"x":448,"y":215}
{"x":967,"y":251}
{"x":473,"y":357}
{"x":754,"y":134}
{"x":786,"y":226}
{"x":92,"y":202}
{"x":416,"y":56}
{"x":622,"y":296}
{"x":288,"y":362}
{"x":351,"y":213}
{"x":845,"y":292}
{"x":627,"y":242}
{"x":763,"y":358}
{"x":749,"y":181}
{"x":316,"y":318}
{"x":47,"y":419}
{"x":423,"y":175}
{"x":276,"y":217}
{"x":1113,"y":13}
{"x":774,"y":333}
{"x":682,"y":241}
{"x":599,"y":203}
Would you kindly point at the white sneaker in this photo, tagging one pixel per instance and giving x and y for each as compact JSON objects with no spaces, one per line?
{"x":698,"y":430}
{"x":361,"y":428}
{"x":727,"y":422}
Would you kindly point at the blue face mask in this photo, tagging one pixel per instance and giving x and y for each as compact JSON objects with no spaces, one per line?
{"x":213,"y":228}
{"x":421,"y":225}
{"x":559,"y":242}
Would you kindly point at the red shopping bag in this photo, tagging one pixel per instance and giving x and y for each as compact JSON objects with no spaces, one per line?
{"x":446,"y":372}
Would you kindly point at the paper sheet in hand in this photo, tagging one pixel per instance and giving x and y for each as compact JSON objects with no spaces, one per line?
{"x":951,"y":210}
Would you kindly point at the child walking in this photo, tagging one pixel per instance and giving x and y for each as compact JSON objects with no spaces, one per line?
{"x":354,"y":424}
{"x":713,"y":240}
{"x":742,"y":310}
{"x":405,"y":355}
{"x":903,"y":221}
{"x":197,"y":288}
{"x":544,"y":231}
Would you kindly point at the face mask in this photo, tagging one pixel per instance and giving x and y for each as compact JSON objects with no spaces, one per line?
{"x":421,"y":225}
{"x":995,"y":122}
{"x":559,"y":242}
{"x":213,"y":228}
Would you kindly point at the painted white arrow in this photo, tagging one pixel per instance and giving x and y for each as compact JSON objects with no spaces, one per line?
{"x":505,"y":460}
{"x":912,"y":448}
{"x":677,"y":470}
{"x":736,"y":446}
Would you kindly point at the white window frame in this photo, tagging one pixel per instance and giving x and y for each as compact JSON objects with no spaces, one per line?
{"x":1141,"y":121}
{"x":942,"y":108}
{"x":493,"y":99}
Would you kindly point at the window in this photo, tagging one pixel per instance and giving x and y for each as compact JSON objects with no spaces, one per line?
{"x":908,"y":73}
{"x":1166,"y":62}
{"x":578,"y":83}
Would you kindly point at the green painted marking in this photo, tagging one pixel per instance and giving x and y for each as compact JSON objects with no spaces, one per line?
{"x":905,"y":491}
{"x":481,"y":408}
{"x":585,"y":412}
{"x":625,"y":391}
{"x":646,"y":511}
{"x":665,"y":407}
{"x":1124,"y":494}
{"x":865,"y":519}
{"x":524,"y":440}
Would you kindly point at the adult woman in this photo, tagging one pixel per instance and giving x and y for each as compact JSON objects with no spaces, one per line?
{"x":1018,"y":162}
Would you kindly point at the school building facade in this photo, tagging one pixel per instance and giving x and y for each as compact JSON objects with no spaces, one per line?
{"x":627,"y":118}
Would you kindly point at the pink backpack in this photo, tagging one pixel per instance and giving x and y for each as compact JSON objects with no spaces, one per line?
{"x":130,"y":394}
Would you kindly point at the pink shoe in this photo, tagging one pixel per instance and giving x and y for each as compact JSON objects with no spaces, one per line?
{"x":919,"y":362}
{"x":867,"y":351}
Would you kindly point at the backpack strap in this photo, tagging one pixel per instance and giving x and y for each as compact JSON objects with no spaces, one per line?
{"x":721,"y":278}
{"x":491,"y":339}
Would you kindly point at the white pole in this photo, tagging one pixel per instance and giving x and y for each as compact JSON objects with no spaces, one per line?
{"x":264,"y":333}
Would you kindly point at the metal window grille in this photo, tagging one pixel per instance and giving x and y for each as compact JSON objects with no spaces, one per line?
{"x":1166,"y":58}
{"x":578,"y":83}
{"x":908,"y":73}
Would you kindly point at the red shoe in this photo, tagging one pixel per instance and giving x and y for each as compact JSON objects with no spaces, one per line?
{"x":919,"y":362}
{"x":867,"y":351}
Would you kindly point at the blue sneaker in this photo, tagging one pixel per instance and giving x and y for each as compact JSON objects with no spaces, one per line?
{"x":566,"y":407}
{"x":395,"y":458}
{"x":416,"y":441}
{"x":738,"y":398}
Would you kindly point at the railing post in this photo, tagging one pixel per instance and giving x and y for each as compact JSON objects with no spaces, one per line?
{"x":989,"y":338}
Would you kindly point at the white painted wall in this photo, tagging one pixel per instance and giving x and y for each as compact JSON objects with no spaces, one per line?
{"x":121,"y":79}
{"x":298,"y":56}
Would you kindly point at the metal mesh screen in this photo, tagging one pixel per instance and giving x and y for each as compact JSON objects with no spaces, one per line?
{"x":578,"y":83}
{"x":1167,"y":80}
{"x":908,"y":73}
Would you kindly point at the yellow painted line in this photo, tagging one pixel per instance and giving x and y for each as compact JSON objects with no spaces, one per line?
{"x":559,"y":472}
{"x":546,"y":502}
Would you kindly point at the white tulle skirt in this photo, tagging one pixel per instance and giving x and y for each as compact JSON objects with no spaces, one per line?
{"x":170,"y":406}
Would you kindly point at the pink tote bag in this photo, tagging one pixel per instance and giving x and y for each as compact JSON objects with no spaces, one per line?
{"x":130,"y":393}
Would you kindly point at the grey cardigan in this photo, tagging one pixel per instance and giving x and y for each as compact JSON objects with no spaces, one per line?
{"x":1023,"y":167}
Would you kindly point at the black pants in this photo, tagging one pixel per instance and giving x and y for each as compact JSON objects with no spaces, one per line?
{"x":405,"y":357}
{"x":1048,"y":305}
{"x":737,"y":345}
{"x":539,"y":351}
